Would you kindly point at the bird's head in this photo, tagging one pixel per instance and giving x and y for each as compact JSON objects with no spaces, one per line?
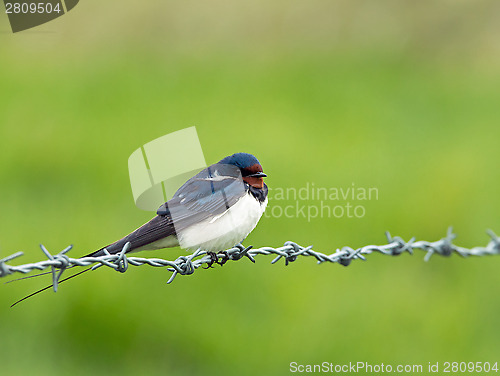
{"x":250,"y":168}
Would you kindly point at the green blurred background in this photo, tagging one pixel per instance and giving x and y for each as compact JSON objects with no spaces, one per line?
{"x":398,"y":95}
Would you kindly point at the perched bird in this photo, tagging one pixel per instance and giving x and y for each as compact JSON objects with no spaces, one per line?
{"x":213,"y":211}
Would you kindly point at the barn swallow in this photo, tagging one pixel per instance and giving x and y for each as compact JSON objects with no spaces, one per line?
{"x":214,"y":210}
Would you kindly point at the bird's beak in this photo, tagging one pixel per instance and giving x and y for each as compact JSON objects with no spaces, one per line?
{"x":257,"y":175}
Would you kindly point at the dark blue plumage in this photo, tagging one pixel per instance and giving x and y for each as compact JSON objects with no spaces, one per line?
{"x":241,"y":160}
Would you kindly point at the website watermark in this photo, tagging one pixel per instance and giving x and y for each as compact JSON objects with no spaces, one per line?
{"x":311,"y":201}
{"x":26,"y":14}
{"x":367,"y":367}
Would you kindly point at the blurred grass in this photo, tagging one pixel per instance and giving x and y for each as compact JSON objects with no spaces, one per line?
{"x":423,"y":132}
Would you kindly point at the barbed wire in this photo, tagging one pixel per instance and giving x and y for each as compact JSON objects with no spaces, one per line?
{"x":290,"y":251}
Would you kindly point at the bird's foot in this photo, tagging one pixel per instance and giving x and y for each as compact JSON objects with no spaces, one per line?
{"x":224,"y":259}
{"x":213,"y":259}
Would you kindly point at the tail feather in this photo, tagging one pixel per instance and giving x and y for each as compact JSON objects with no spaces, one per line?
{"x":48,"y":287}
{"x":157,"y":228}
{"x":115,"y":247}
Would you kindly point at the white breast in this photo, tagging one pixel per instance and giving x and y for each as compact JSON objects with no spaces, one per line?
{"x":225,"y":230}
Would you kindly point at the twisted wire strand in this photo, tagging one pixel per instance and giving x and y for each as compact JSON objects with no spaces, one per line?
{"x":290,"y":251}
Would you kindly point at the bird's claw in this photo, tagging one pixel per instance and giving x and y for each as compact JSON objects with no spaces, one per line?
{"x":213,"y":259}
{"x":224,"y":259}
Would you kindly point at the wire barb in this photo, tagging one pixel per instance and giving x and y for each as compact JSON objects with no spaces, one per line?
{"x":290,"y":251}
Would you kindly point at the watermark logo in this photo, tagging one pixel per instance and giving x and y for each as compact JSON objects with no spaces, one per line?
{"x":160,"y":167}
{"x":26,"y":14}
